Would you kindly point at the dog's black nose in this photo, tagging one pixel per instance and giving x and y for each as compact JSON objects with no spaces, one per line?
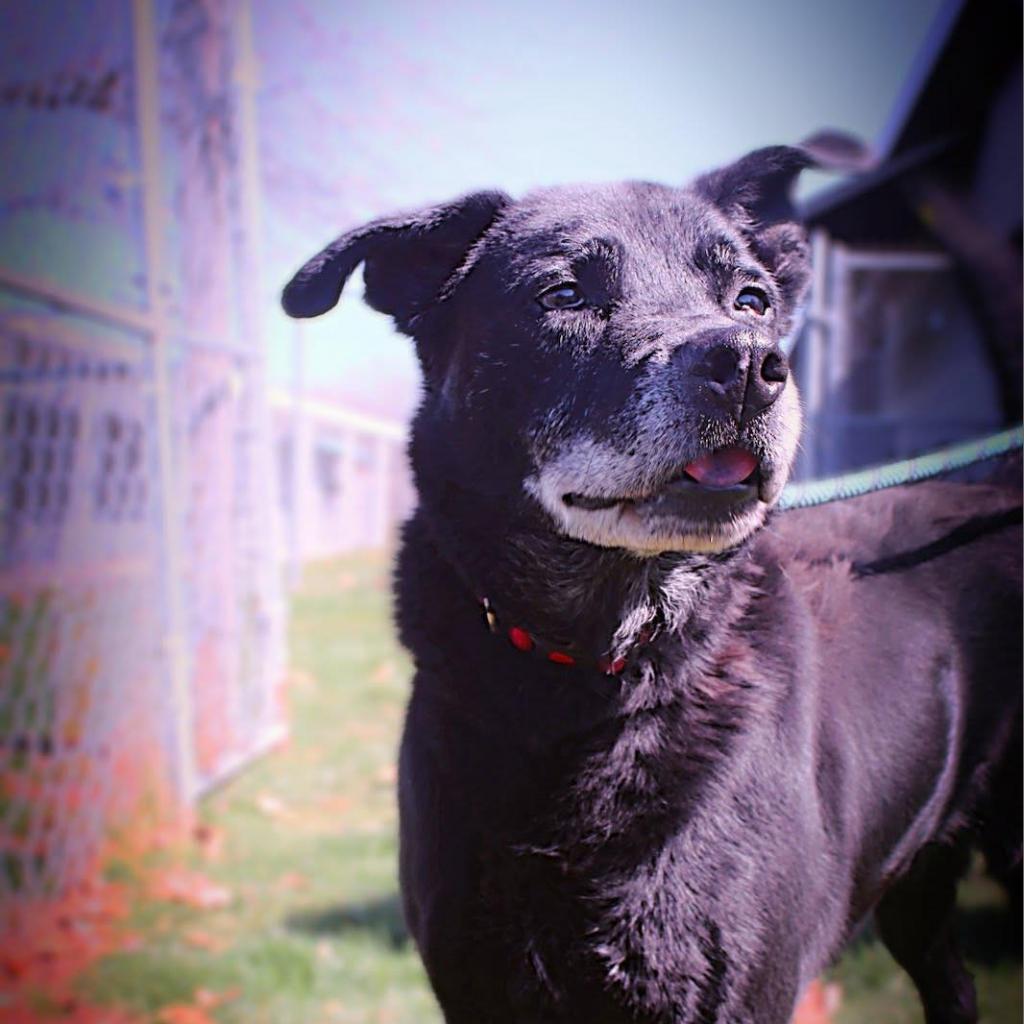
{"x":742,"y":380}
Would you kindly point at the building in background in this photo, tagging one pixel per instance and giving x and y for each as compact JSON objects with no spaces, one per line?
{"x":913,"y":337}
{"x":343,"y":479}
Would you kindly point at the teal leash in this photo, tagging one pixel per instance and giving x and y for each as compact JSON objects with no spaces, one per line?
{"x":876,"y":478}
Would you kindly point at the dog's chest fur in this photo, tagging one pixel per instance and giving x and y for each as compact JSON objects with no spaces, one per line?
{"x":595,"y":806}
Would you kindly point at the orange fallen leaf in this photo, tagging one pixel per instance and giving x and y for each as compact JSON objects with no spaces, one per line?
{"x":48,"y":942}
{"x":184,"y":1013}
{"x":199,"y":939}
{"x":14,"y":966}
{"x":292,"y":881}
{"x":210,"y":841}
{"x":209,"y":1000}
{"x":384,"y":672}
{"x":272,"y":806}
{"x":819,"y":1003}
{"x":334,"y":805}
{"x":99,"y":1015}
{"x":300,"y":680}
{"x":17,"y":1015}
{"x":177,"y":885}
{"x":70,"y":1010}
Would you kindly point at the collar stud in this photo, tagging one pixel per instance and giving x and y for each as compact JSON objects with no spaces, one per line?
{"x":520,"y":638}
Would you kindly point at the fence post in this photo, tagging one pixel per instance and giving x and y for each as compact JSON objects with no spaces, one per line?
{"x":382,"y":491}
{"x":813,"y":356}
{"x":302,"y":458}
{"x":840,"y":430}
{"x":178,"y":657}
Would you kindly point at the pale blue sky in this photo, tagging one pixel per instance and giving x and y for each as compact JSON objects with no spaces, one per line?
{"x":367,"y":108}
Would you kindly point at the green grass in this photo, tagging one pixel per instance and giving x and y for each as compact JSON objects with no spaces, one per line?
{"x":877,"y":991}
{"x":329,"y":946}
{"x":319,"y":815}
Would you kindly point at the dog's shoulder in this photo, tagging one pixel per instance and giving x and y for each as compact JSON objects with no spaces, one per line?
{"x":913,"y":523}
{"x":953,"y":548}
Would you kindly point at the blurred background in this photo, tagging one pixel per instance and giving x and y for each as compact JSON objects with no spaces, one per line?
{"x":199,"y":693}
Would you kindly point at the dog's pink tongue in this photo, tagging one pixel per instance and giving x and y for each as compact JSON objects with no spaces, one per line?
{"x":724,"y":468}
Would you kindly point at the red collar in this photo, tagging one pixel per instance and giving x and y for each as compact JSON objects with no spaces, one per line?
{"x":568,"y":655}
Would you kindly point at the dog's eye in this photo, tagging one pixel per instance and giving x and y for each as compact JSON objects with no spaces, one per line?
{"x":562,"y":296}
{"x":752,"y":299}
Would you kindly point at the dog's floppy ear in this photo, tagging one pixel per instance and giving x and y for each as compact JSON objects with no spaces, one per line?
{"x":758,"y":185}
{"x":754,"y":192}
{"x":408,"y":259}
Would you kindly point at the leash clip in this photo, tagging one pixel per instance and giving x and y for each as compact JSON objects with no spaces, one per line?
{"x":489,"y":616}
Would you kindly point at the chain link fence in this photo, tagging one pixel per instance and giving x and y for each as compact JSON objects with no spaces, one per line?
{"x":891,"y":360}
{"x":141,"y":615}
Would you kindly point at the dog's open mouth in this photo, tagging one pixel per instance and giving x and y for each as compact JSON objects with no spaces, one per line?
{"x":712,"y":483}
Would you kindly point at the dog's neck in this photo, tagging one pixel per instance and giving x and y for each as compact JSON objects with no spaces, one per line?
{"x":569,"y":592}
{"x":681,"y":701}
{"x":600,"y":598}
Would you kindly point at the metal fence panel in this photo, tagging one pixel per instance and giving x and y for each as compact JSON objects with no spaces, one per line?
{"x":141,"y":616}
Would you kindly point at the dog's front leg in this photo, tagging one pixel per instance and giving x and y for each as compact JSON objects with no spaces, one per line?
{"x":915,"y":919}
{"x":439,"y":873}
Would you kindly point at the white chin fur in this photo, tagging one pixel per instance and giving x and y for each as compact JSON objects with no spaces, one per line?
{"x":623,"y":527}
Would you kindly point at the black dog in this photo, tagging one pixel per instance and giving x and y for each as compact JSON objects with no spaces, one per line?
{"x":660,"y":762}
